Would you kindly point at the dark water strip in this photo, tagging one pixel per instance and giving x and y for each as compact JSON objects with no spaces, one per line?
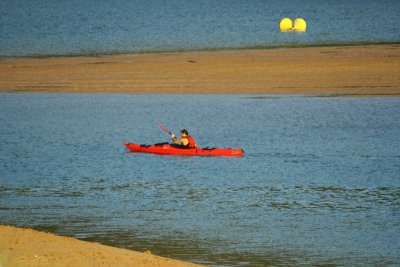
{"x":214,"y":49}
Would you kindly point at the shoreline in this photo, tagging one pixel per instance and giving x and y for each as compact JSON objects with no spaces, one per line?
{"x":27,"y":247}
{"x":220,"y":49}
{"x":357,"y":71}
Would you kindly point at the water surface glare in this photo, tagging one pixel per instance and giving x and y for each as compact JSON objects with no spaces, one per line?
{"x":319,"y":182}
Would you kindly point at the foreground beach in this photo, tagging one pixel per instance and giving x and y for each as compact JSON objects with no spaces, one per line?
{"x":342,"y":70}
{"x":26,"y":247}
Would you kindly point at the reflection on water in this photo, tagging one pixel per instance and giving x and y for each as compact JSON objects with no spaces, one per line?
{"x":319,"y":183}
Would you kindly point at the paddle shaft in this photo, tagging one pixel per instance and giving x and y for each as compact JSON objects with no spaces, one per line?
{"x":164,"y":129}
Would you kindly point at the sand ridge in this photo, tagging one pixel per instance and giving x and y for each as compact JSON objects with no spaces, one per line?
{"x":340,"y":70}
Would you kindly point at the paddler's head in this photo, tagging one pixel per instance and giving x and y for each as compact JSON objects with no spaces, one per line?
{"x":184,"y":133}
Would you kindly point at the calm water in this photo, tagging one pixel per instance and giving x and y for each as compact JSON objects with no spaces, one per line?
{"x":45,"y":27}
{"x":319,"y":184}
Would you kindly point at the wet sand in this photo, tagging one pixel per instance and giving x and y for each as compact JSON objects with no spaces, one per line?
{"x":26,"y":247}
{"x":341,"y":70}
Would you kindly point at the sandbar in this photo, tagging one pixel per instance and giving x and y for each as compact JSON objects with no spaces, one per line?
{"x":27,"y":247}
{"x":341,"y":70}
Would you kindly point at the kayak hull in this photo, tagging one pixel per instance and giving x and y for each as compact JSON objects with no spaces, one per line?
{"x":167,"y":149}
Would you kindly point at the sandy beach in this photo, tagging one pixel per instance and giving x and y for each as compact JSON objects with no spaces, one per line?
{"x":26,"y":247}
{"x":341,"y":70}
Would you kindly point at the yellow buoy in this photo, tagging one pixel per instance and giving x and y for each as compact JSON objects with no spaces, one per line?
{"x":286,"y":25}
{"x":300,"y":25}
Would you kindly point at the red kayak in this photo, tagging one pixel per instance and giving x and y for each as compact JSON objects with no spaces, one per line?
{"x":168,"y":149}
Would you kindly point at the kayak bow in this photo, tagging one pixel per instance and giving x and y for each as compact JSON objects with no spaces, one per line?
{"x":168,"y":149}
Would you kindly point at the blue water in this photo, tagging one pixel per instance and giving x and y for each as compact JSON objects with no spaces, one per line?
{"x":319,"y":183}
{"x":45,"y":28}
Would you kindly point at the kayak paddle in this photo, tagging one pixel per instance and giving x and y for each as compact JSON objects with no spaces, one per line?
{"x":164,"y":129}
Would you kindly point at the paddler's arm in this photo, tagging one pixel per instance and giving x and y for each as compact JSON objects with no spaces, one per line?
{"x":174,"y":140}
{"x":180,"y":141}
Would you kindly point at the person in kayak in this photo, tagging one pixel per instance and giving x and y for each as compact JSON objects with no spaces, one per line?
{"x":186,"y":141}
